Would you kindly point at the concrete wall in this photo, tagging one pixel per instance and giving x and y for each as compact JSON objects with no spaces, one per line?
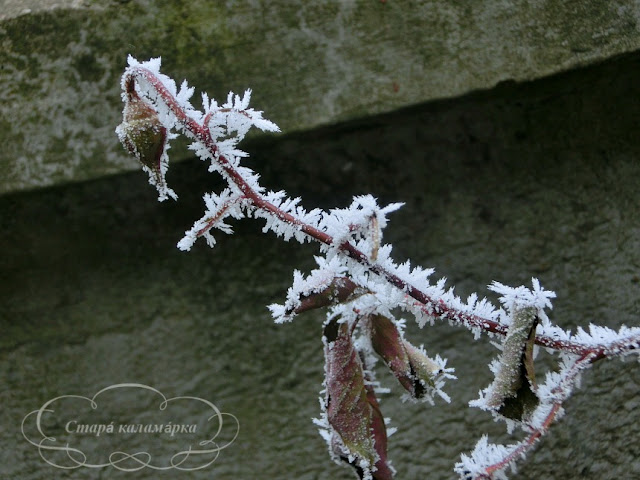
{"x":532,"y":179}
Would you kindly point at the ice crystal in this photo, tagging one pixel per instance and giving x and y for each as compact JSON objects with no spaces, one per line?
{"x":219,"y":207}
{"x":521,"y":297}
{"x":484,"y":456}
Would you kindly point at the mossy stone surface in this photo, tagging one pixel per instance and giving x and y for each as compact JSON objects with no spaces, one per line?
{"x":308,"y":63}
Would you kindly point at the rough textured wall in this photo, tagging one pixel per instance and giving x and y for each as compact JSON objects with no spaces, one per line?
{"x":309,"y":63}
{"x":533,"y":179}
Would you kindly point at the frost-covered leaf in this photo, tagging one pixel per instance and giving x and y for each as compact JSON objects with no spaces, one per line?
{"x":430,"y":372}
{"x":512,"y":393}
{"x":382,"y":469}
{"x":387,"y":341}
{"x":341,"y":289}
{"x":421,"y":376}
{"x":356,"y":431}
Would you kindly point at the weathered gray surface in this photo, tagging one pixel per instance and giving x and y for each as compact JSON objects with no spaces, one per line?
{"x":536,"y":179}
{"x":309,"y":63}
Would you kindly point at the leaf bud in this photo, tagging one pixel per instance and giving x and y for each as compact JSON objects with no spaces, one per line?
{"x":143,"y":135}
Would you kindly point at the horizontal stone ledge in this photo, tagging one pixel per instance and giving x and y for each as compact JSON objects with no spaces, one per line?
{"x":309,"y":64}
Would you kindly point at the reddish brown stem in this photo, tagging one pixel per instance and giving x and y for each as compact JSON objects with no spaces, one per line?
{"x":213,"y":219}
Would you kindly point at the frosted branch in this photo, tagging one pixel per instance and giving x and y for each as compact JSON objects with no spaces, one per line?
{"x":334,"y":230}
{"x":362,"y":286}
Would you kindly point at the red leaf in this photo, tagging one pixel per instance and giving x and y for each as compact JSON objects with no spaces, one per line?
{"x":410,"y":365}
{"x":358,"y":432}
{"x":339,"y":290}
{"x":388,"y":343}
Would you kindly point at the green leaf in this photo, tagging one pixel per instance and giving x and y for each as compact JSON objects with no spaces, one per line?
{"x":512,"y":393}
